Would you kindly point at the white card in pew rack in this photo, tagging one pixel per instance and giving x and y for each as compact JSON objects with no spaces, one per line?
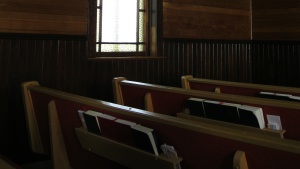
{"x":275,"y":121}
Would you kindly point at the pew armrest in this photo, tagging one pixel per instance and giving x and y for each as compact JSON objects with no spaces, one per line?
{"x":118,"y":98}
{"x":32,"y":126}
{"x":184,"y":81}
{"x":239,"y":160}
{"x":126,"y":155}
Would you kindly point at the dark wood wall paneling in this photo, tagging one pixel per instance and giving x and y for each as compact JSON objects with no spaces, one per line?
{"x":67,"y":17}
{"x":276,"y":19}
{"x":59,"y":63}
{"x":222,"y":60}
{"x":207,"y":19}
{"x":262,"y":62}
{"x":276,"y":62}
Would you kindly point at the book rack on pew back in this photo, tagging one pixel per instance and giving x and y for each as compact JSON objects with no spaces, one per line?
{"x":237,"y":88}
{"x":239,"y":128}
{"x":108,"y":148}
{"x":199,"y":145}
{"x":171,"y":100}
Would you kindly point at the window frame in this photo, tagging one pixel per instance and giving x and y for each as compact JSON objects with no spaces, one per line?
{"x":151,"y":41}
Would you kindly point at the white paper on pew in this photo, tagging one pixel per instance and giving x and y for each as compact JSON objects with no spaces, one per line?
{"x":80,"y":113}
{"x":170,"y":152}
{"x":274,"y":121}
{"x":295,"y":97}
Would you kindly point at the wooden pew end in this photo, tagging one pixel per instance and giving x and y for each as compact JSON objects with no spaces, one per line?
{"x":148,"y":102}
{"x":59,"y":152}
{"x":33,"y":131}
{"x":239,"y":160}
{"x":118,"y":98}
{"x":184,"y":81}
{"x":218,"y":90}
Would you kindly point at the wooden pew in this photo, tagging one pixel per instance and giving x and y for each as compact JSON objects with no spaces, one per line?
{"x":237,"y":88}
{"x":200,"y":146}
{"x":6,"y":163}
{"x":171,"y":101}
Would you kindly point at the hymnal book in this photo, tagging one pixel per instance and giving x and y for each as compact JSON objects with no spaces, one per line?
{"x":251,"y":116}
{"x":91,"y":121}
{"x":144,"y":138}
{"x":212,"y":109}
{"x":268,"y":95}
{"x":222,"y":111}
{"x":195,"y":107}
{"x":277,"y":96}
{"x":106,"y":123}
{"x":230,"y":112}
{"x":124,"y":131}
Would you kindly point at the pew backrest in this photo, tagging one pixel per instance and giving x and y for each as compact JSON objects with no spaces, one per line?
{"x":237,"y":88}
{"x":171,"y":100}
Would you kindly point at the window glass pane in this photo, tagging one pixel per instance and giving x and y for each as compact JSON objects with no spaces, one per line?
{"x":97,"y":47}
{"x":118,"y":48}
{"x":141,"y":27}
{"x":98,"y":25}
{"x":142,"y":4}
{"x":141,"y":48}
{"x":119,"y":21}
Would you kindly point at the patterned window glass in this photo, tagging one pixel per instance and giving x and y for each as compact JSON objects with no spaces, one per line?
{"x":120,"y":26}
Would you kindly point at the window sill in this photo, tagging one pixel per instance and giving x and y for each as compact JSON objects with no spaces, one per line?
{"x":127,"y":58}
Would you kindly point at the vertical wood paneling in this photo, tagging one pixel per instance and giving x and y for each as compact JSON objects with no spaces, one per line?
{"x":222,"y":60}
{"x":276,"y":63}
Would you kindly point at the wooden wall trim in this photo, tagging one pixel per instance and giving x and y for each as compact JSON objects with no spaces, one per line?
{"x":276,"y":19}
{"x":44,"y":17}
{"x":207,"y":20}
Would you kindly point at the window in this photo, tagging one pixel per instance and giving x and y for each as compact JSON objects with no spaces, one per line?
{"x":120,"y":28}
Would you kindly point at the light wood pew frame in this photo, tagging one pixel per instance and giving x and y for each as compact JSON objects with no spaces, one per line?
{"x":218,"y":85}
{"x":255,"y":144}
{"x":32,"y":126}
{"x":58,"y":149}
{"x":239,"y":160}
{"x":150,"y":94}
{"x":108,"y":148}
{"x":6,"y":163}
